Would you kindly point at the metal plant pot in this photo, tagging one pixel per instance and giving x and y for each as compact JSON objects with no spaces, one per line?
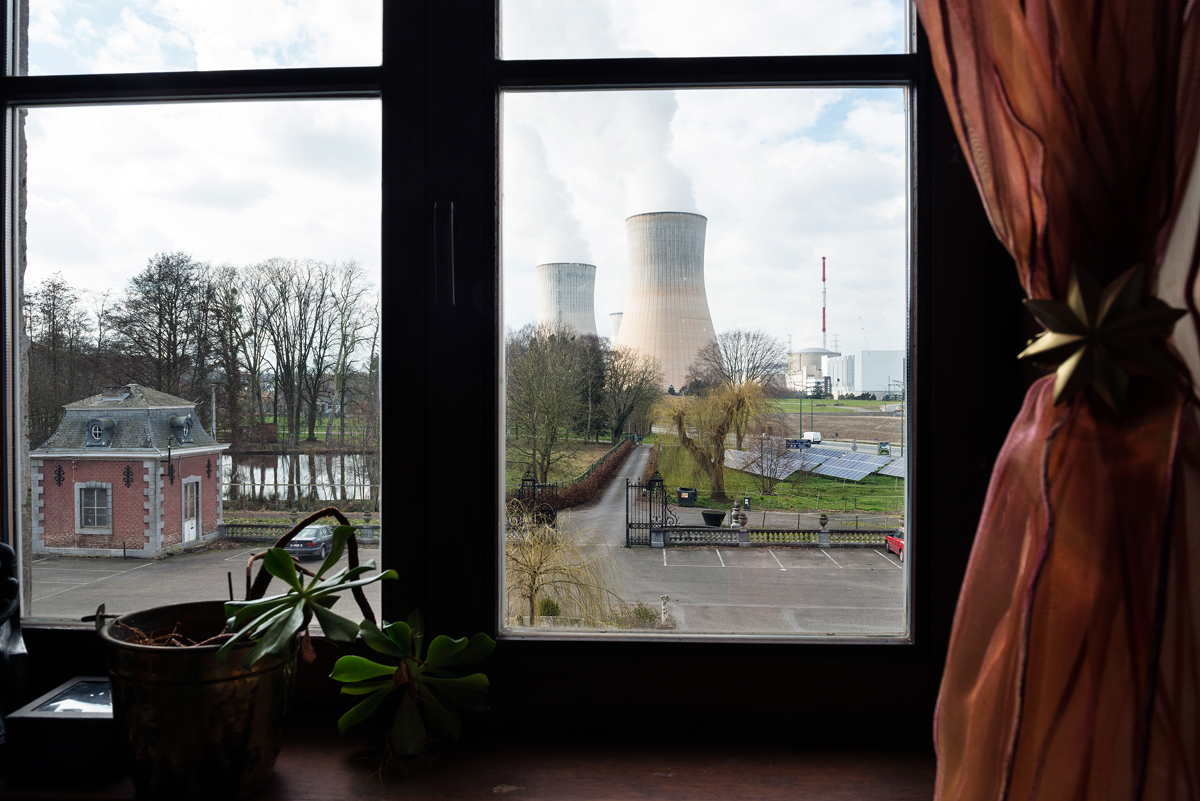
{"x":194,"y":727}
{"x":713,"y":517}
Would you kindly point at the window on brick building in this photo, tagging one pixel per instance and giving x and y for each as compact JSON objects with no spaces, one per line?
{"x":95,"y":508}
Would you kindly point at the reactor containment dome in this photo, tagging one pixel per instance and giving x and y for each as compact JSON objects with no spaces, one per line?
{"x":566,"y":296}
{"x":666,"y":308}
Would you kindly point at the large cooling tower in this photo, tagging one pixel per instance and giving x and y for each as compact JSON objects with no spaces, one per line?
{"x":614,"y":321}
{"x":566,"y":296}
{"x":666,"y":308}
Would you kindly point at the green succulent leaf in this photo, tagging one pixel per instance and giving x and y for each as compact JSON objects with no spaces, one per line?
{"x":358,"y":668}
{"x":408,"y":730}
{"x":365,"y":687}
{"x":440,"y":720}
{"x":363,"y":709}
{"x":443,"y":648}
{"x":280,"y":565}
{"x":478,"y":647}
{"x":400,"y":634}
{"x":468,"y":692}
{"x":417,"y":626}
{"x":340,"y":535}
{"x":278,"y":636}
{"x":335,"y":627}
{"x":379,"y":641}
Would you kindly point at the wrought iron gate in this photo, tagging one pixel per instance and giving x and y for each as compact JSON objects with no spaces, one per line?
{"x":646,"y":510}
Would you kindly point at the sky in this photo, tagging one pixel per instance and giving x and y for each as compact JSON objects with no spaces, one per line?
{"x":785,"y":176}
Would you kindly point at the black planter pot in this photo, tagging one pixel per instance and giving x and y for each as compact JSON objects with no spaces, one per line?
{"x":194,"y":727}
{"x":713,"y":517}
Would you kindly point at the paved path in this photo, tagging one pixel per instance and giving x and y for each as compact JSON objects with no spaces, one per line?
{"x":607,"y":517}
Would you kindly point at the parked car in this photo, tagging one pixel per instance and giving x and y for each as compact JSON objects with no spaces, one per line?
{"x":315,"y":541}
{"x":895,"y":542}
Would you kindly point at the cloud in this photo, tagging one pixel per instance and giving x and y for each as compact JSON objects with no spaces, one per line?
{"x":785,"y":176}
{"x":539,"y":29}
{"x":208,"y":179}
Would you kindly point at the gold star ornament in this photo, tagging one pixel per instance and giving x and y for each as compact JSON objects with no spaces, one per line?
{"x":1098,"y":337}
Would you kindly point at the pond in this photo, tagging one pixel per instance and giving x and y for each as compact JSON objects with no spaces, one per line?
{"x":299,"y":477}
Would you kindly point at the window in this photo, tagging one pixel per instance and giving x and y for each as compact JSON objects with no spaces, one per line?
{"x":94,"y":504}
{"x":440,"y":347}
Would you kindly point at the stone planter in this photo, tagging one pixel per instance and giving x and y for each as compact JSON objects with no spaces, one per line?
{"x":713,"y":517}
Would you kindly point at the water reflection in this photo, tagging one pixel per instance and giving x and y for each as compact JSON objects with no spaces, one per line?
{"x":296,"y":476}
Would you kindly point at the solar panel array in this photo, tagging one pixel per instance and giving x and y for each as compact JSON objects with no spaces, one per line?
{"x":848,"y":469}
{"x":848,"y":465}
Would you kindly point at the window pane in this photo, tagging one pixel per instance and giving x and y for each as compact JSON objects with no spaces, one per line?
{"x":724,"y":273}
{"x":540,"y":29}
{"x":69,"y":37}
{"x":185,"y":263}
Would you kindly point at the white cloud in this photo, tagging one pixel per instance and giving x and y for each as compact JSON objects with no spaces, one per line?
{"x":172,"y":35}
{"x":785,"y":176}
{"x":110,"y":186}
{"x":538,"y":29}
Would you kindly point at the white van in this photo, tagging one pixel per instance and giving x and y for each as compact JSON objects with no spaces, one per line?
{"x":812,"y":436}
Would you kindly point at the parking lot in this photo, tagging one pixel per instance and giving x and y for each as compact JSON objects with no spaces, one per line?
{"x":771,"y":590}
{"x":69,"y":587}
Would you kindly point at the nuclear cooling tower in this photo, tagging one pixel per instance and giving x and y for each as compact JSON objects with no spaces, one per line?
{"x":566,"y":296}
{"x":666,"y":309}
{"x":614,"y":321}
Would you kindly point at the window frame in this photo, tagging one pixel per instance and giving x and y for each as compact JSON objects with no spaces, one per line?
{"x":81,"y":489}
{"x":439,"y":83}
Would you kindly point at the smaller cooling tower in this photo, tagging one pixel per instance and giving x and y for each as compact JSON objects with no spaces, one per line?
{"x":566,"y":296}
{"x":614,"y":322}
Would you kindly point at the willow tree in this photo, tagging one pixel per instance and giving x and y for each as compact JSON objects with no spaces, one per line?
{"x":703,"y":425}
{"x":564,"y":564}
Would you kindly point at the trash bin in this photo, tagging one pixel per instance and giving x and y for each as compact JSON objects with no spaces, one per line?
{"x":746,"y":504}
{"x":687,"y":496}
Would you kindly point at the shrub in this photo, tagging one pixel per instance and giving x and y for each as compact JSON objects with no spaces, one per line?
{"x":548,"y":607}
{"x":644,"y":615}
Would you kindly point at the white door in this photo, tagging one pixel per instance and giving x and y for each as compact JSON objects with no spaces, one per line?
{"x":191,"y":510}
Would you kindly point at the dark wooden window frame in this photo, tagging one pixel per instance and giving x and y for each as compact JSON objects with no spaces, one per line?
{"x":440,"y":82}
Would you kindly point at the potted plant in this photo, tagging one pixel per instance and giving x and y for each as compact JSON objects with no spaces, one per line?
{"x":201,"y":689}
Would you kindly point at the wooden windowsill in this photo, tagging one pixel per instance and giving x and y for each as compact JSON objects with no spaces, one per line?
{"x":316,"y":764}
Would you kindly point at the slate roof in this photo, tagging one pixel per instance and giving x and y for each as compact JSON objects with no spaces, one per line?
{"x":142,"y":422}
{"x":137,"y":397}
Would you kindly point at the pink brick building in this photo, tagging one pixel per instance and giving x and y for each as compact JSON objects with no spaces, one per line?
{"x":129,"y":471}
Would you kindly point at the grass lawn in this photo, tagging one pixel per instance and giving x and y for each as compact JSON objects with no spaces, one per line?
{"x":878,"y":494}
{"x":566,"y":469}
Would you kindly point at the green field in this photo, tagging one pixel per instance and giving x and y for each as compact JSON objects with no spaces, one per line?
{"x":801,"y":493}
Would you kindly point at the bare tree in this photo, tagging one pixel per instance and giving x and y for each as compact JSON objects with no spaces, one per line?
{"x":352,"y":317}
{"x":543,"y":368}
{"x":736,"y":358}
{"x":254,"y":343}
{"x":771,"y":461}
{"x":632,"y":382}
{"x":160,"y":322}
{"x":57,"y":326}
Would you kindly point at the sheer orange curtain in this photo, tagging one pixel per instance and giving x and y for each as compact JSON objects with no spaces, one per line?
{"x":1074,"y":663}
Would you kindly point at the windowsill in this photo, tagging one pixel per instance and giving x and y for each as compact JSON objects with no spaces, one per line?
{"x":316,"y":763}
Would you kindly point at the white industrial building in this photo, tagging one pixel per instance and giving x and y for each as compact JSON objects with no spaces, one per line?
{"x":805,"y":370}
{"x":880,"y":372}
{"x":840,"y":372}
{"x":566,"y":296}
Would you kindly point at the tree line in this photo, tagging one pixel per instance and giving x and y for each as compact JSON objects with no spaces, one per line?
{"x":564,"y":389}
{"x":291,"y":340}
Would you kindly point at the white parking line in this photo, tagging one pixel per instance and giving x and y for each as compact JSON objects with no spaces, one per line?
{"x":664,"y":557}
{"x":78,"y":570}
{"x":86,"y":583}
{"x":776,"y":558}
{"x":796,"y":606}
{"x":718,"y":550}
{"x":240,"y":556}
{"x":889,"y":559}
{"x":831,"y":559}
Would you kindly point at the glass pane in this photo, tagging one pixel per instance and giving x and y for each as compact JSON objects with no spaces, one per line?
{"x":89,"y":697}
{"x":720,"y":276}
{"x":72,"y":37}
{"x":540,"y":29}
{"x":205,"y":278}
